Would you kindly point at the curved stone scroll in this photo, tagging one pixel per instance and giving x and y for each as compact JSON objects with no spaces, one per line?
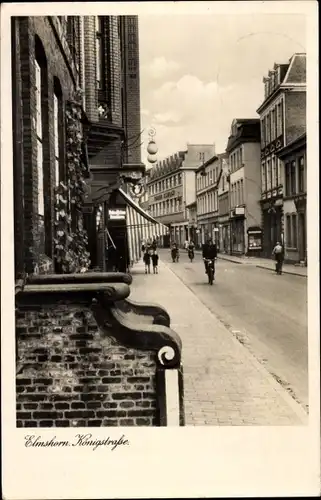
{"x":153,"y":313}
{"x":129,"y":330}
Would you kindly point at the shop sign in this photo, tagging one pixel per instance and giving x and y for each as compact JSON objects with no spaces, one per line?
{"x":163,"y":196}
{"x":239,"y":211}
{"x":117,"y":214}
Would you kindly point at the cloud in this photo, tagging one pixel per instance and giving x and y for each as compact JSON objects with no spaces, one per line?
{"x":168,"y":117}
{"x":161,"y":67}
{"x":195,"y":83}
{"x":185,"y":99}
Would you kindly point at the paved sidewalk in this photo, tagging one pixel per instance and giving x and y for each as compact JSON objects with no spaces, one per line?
{"x":224,"y":384}
{"x":264,"y":264}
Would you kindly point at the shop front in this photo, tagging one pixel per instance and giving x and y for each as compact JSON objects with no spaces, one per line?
{"x":224,"y":234}
{"x":127,"y":227}
{"x":237,"y":240}
{"x":254,"y":241}
{"x":272,"y":226}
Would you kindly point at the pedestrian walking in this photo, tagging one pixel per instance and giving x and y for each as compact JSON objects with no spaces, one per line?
{"x":154,"y":244}
{"x":155,"y":262}
{"x":147,"y":261}
{"x":279,"y":257}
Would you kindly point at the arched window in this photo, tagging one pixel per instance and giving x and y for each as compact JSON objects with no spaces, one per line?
{"x":41,"y":118}
{"x":58,"y":131}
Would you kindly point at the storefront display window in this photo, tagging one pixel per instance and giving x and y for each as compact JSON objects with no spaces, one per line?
{"x":255,"y":240}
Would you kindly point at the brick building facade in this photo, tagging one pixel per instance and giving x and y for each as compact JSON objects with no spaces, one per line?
{"x":44,"y":79}
{"x":71,"y":155}
{"x":283,"y":119}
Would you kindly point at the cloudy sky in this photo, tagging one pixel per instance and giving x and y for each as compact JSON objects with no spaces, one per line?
{"x":200,"y":72}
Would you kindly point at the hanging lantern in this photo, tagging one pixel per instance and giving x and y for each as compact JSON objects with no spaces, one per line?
{"x":152,"y":147}
{"x":151,"y":158}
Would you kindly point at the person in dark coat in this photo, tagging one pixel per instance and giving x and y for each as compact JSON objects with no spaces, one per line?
{"x":155,"y":262}
{"x":209,"y":252}
{"x":147,"y":261}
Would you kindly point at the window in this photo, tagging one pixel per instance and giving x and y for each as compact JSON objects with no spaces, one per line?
{"x":288,"y":231}
{"x":41,"y":208}
{"x":301,"y":175}
{"x":263,"y":177}
{"x":241,"y":156}
{"x":293,"y":177}
{"x":273,"y":131}
{"x":273,"y":172}
{"x":56,"y":139}
{"x":287,"y":169}
{"x":294,"y":231}
{"x":268,"y":175}
{"x":279,"y":119}
{"x":277,"y":172}
{"x":99,"y":52}
{"x":268,"y":129}
{"x":72,"y":36}
{"x":242,"y":192}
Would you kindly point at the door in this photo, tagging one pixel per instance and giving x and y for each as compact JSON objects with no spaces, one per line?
{"x":302,"y":237}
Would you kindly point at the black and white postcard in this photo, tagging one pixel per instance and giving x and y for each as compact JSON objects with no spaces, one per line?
{"x":159,"y":223}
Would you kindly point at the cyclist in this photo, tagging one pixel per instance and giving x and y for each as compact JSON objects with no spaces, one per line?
{"x":209,"y":252}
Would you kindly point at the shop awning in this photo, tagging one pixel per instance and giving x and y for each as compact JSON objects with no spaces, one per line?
{"x":140,"y":226}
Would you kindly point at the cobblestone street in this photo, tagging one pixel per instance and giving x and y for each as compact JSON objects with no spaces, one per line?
{"x":224,"y":382}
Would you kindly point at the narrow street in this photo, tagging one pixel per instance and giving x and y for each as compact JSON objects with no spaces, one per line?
{"x":265,"y":312}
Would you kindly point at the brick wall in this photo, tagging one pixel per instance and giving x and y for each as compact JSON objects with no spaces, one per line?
{"x":70,"y":374}
{"x":115,"y":68}
{"x":32,"y":33}
{"x":90,"y":68}
{"x":17,"y":150}
{"x":131,"y":83}
{"x":110,"y":155}
{"x":295,"y":115}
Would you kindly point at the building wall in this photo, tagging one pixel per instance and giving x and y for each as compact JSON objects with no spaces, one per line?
{"x":295,"y":115}
{"x":59,"y":65}
{"x":91,"y":96}
{"x":288,"y":123}
{"x":252,"y":183}
{"x":189,"y":195}
{"x":70,"y":374}
{"x":193,"y":158}
{"x":131,"y":84}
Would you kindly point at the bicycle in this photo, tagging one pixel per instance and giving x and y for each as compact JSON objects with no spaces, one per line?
{"x":210,"y":270}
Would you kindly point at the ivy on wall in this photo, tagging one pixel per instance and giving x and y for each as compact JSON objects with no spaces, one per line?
{"x":71,"y":240}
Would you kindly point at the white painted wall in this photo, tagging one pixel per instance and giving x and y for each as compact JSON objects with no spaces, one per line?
{"x":192,"y":158}
{"x":252,"y":183}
